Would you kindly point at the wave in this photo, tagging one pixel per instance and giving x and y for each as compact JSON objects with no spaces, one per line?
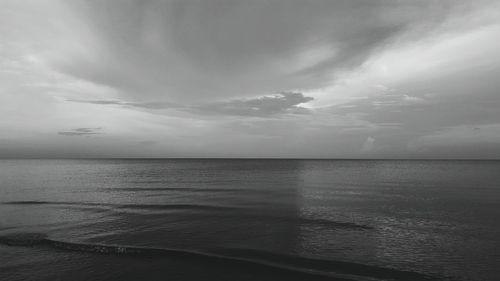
{"x":308,"y":267}
{"x":334,"y":224}
{"x":186,"y":189}
{"x":321,"y":265}
{"x":127,"y":206}
{"x":315,"y":222}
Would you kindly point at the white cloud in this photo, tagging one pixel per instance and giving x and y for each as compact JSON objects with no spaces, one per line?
{"x":368,"y":145}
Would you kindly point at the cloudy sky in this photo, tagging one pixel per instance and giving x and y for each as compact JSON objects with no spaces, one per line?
{"x":238,"y":78}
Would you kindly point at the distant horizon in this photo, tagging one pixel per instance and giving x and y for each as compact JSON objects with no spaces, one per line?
{"x":248,"y":158}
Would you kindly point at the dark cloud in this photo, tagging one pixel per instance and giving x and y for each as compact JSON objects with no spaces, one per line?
{"x":283,"y":103}
{"x":146,"y":105}
{"x":81,"y":132}
{"x":202,"y":50}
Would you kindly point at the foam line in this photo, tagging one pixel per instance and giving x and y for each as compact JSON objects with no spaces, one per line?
{"x":310,"y":268}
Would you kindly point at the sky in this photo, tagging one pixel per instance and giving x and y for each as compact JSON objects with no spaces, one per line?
{"x":238,"y":78}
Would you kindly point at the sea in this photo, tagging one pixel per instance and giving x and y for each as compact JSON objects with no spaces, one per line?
{"x":249,"y":219}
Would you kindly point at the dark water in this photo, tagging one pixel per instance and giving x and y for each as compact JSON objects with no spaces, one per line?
{"x":251,"y":219}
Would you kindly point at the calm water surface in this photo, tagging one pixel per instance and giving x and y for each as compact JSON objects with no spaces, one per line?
{"x":424,"y":220}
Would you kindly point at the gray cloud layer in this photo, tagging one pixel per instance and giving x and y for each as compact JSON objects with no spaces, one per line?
{"x":353,"y":78}
{"x":198,"y":50}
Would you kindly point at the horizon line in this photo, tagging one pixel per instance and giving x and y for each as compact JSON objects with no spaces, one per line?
{"x":248,"y":158}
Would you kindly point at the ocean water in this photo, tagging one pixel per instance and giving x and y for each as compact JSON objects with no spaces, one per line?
{"x":250,"y":220}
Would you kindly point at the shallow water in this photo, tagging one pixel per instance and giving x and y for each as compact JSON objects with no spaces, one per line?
{"x":362,"y":220}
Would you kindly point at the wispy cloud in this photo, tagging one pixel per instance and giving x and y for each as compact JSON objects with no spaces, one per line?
{"x":146,"y":105}
{"x":283,"y":103}
{"x":81,"y":132}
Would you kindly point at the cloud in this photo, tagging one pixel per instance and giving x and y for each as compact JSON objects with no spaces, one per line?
{"x":368,"y":145}
{"x":459,"y":136}
{"x":283,"y":103}
{"x":146,"y":105}
{"x":192,"y":76}
{"x":264,"y":106}
{"x":480,"y":141}
{"x":386,"y":103}
{"x":81,"y":132}
{"x":210,"y":50}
